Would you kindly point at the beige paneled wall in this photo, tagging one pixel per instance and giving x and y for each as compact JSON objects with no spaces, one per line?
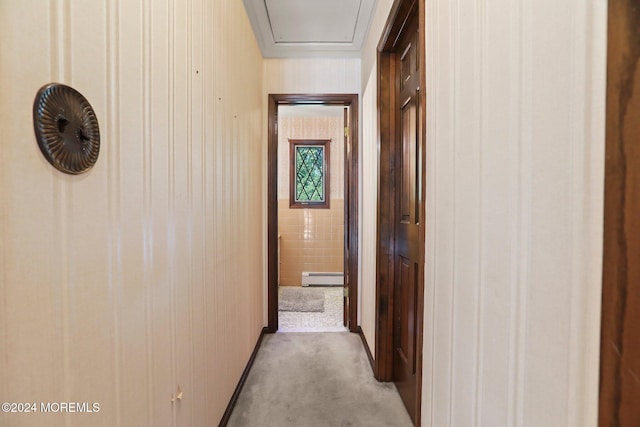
{"x":515,"y":102}
{"x":306,"y":76}
{"x":316,"y":75}
{"x":311,"y":239}
{"x":144,"y":275}
{"x":514,"y":201}
{"x":369,"y":210}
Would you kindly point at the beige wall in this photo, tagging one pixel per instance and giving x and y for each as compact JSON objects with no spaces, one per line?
{"x":369,"y":208}
{"x":145,"y":274}
{"x":311,"y":239}
{"x":306,"y":76}
{"x":515,"y":101}
{"x":317,"y":75}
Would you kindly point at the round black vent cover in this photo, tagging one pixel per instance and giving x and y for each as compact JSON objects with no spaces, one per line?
{"x":66,"y":128}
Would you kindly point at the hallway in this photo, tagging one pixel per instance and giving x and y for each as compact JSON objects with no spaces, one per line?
{"x":315,"y":379}
{"x":145,"y":279}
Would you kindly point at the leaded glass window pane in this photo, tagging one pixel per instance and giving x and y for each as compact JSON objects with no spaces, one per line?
{"x":309,"y":173}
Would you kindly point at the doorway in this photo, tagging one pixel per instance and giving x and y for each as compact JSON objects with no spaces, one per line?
{"x":311,"y":151}
{"x":401,"y":203}
{"x":350,"y":209}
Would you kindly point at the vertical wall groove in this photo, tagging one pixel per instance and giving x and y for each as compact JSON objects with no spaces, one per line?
{"x":432,"y":61}
{"x":482,"y":110}
{"x":588,"y":129}
{"x":67,"y":41}
{"x":113,"y":190}
{"x":525,"y":198}
{"x":594,"y":131}
{"x":189,"y":66}
{"x":171,"y":184}
{"x":453,"y":87}
{"x":218,"y":174}
{"x":147,"y":134}
{"x":432,"y":30}
{"x":54,"y":60}
{"x":516,"y":70}
{"x":63,"y":200}
{"x":208,"y":112}
{"x":571,"y":367}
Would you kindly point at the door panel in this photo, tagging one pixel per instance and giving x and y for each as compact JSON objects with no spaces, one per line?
{"x":405,"y":315}
{"x":408,"y":255}
{"x":408,"y":190}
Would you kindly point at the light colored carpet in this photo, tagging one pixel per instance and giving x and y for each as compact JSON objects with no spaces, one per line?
{"x":313,"y":380}
{"x":329,"y":320}
{"x":299,"y":299}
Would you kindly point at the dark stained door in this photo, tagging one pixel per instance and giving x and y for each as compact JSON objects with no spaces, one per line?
{"x":408,"y":253}
{"x":347,"y":212}
{"x":620,"y":340}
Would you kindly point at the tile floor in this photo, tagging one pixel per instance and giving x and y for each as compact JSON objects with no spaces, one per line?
{"x":330,"y":320}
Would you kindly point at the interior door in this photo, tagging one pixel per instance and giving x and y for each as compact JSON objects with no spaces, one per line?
{"x":347,"y":170}
{"x":408,"y":256}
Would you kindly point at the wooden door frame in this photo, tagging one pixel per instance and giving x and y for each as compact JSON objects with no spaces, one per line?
{"x":351,"y":204}
{"x":388,"y":131}
{"x":620,"y":283}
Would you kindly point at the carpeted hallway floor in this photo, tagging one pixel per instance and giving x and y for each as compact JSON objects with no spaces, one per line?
{"x":316,"y":379}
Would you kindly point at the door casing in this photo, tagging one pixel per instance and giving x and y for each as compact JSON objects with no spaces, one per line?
{"x":620,"y":327}
{"x":351,"y":199}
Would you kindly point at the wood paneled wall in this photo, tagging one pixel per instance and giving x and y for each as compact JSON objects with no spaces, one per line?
{"x":515,"y":153}
{"x":369,"y":209}
{"x":515,"y":138}
{"x":144,"y":275}
{"x":317,"y":75}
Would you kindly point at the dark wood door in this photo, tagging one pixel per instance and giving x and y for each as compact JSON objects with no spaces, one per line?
{"x":347,"y":212}
{"x":620,"y":341}
{"x":408,"y":252}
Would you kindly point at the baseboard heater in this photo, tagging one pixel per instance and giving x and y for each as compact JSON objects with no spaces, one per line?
{"x":310,"y":278}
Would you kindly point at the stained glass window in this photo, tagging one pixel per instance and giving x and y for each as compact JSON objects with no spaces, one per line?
{"x":309,"y":173}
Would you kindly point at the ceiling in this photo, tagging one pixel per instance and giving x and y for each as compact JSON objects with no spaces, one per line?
{"x":310,"y":28}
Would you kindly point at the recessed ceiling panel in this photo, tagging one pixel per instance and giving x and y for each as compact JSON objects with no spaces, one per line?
{"x":313,"y":21}
{"x":310,"y":28}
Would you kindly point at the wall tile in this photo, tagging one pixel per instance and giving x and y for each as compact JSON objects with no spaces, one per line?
{"x":308,"y":235}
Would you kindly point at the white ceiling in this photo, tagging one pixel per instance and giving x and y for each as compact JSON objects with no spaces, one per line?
{"x":310,"y":28}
